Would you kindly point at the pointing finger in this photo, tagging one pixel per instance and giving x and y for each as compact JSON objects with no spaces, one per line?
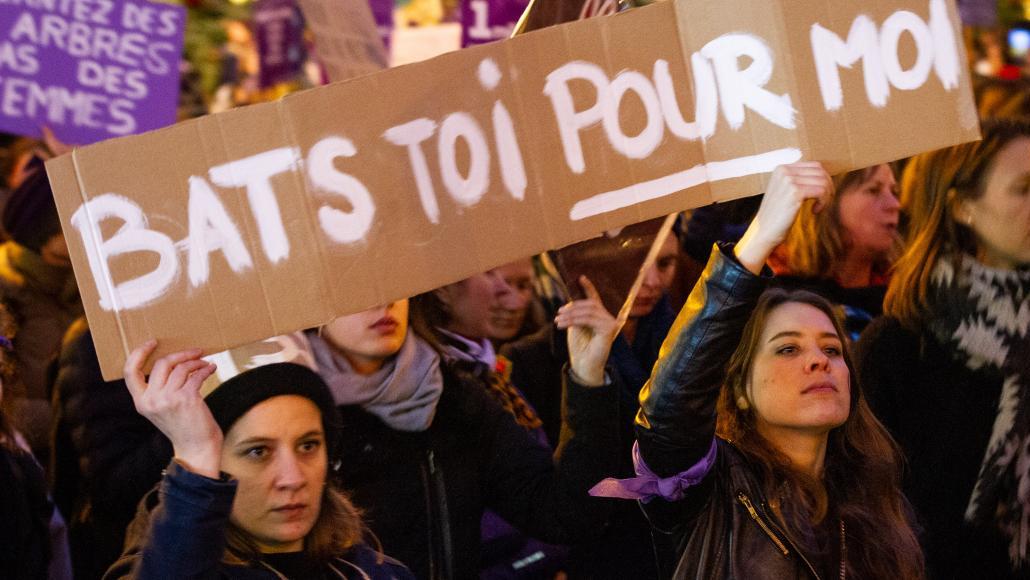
{"x":589,"y":289}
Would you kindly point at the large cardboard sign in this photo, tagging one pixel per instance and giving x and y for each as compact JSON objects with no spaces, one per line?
{"x":88,"y":69}
{"x":270,"y":218}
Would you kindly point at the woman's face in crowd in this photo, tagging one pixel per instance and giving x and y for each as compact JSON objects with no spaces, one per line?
{"x":657,"y":280}
{"x":510,"y":312}
{"x":869,"y":212}
{"x":277,"y":453}
{"x":799,"y":380}
{"x":474,"y":303}
{"x":370,"y":337}
{"x":1000,"y":217}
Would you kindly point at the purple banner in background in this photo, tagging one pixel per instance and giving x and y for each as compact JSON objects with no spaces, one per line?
{"x":978,"y":12}
{"x":89,"y":69}
{"x":482,"y":21}
{"x":382,"y":11}
{"x":279,"y":34}
{"x":489,"y":20}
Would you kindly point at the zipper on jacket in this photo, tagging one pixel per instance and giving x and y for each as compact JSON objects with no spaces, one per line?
{"x":744,"y":499}
{"x":768,"y":528}
{"x":436,"y":476}
{"x":797,"y":550}
{"x":428,"y":491}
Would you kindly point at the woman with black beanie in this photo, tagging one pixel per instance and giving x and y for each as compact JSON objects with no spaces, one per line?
{"x":247,"y":494}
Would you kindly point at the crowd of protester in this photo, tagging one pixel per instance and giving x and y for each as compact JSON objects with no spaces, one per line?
{"x":844,"y":393}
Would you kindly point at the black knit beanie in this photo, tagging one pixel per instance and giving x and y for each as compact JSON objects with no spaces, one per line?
{"x":233,"y":398}
{"x":30,"y":216}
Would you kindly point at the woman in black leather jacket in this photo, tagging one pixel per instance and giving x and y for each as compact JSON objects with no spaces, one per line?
{"x":756,"y":453}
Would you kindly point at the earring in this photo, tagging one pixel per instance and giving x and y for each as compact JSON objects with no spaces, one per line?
{"x":969,"y":220}
{"x":742,"y":403}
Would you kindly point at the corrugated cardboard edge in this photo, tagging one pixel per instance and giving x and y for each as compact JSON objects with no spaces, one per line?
{"x":107,"y":281}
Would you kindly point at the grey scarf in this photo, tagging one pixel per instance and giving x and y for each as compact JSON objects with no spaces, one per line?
{"x":403,"y":394}
{"x":982,"y":315}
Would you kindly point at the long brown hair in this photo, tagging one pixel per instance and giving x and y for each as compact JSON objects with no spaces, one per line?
{"x":933,"y":186}
{"x":861,"y":478}
{"x":817,"y":241}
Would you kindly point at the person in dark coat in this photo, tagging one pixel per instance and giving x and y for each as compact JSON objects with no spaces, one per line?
{"x":428,"y":448}
{"x":462,"y":321}
{"x":33,"y":542}
{"x":948,"y":366}
{"x":105,"y":455}
{"x":248,"y":493}
{"x":757,"y":456}
{"x":624,"y":548}
{"x":37,"y":284}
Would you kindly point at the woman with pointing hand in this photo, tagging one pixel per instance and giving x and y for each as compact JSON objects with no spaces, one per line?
{"x":430,"y":446}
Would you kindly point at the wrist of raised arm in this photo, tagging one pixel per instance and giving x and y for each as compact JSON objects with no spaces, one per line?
{"x":589,"y":378}
{"x":206,"y":462}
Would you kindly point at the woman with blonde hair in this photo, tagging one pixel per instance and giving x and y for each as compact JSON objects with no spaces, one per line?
{"x":948,"y":367}
{"x":844,"y":253}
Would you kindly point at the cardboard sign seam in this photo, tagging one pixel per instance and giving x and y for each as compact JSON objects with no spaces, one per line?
{"x":208,"y":290}
{"x":238,"y":191}
{"x":78,"y":271}
{"x":302,"y":184}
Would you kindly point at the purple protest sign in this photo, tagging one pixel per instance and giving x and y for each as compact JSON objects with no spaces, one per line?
{"x":978,"y":12}
{"x":489,"y":20}
{"x":279,"y":32}
{"x":89,"y":69}
{"x":382,"y":11}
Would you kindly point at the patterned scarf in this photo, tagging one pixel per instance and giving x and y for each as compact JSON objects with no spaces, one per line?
{"x":982,"y":315}
{"x":501,"y":387}
{"x":480,"y":360}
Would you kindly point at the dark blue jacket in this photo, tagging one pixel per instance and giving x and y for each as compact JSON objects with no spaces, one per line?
{"x":179,"y":533}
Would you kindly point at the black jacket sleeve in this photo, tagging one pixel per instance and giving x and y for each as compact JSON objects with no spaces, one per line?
{"x":546,"y":496}
{"x":183,"y":536}
{"x":676,"y":422}
{"x":536,"y":369}
{"x":886,"y":357}
{"x":100,"y":438}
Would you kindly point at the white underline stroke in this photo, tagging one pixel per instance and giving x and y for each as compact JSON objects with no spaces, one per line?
{"x":704,"y":173}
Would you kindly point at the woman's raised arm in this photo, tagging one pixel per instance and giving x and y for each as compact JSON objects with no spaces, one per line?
{"x":170,"y":399}
{"x":676,"y":422}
